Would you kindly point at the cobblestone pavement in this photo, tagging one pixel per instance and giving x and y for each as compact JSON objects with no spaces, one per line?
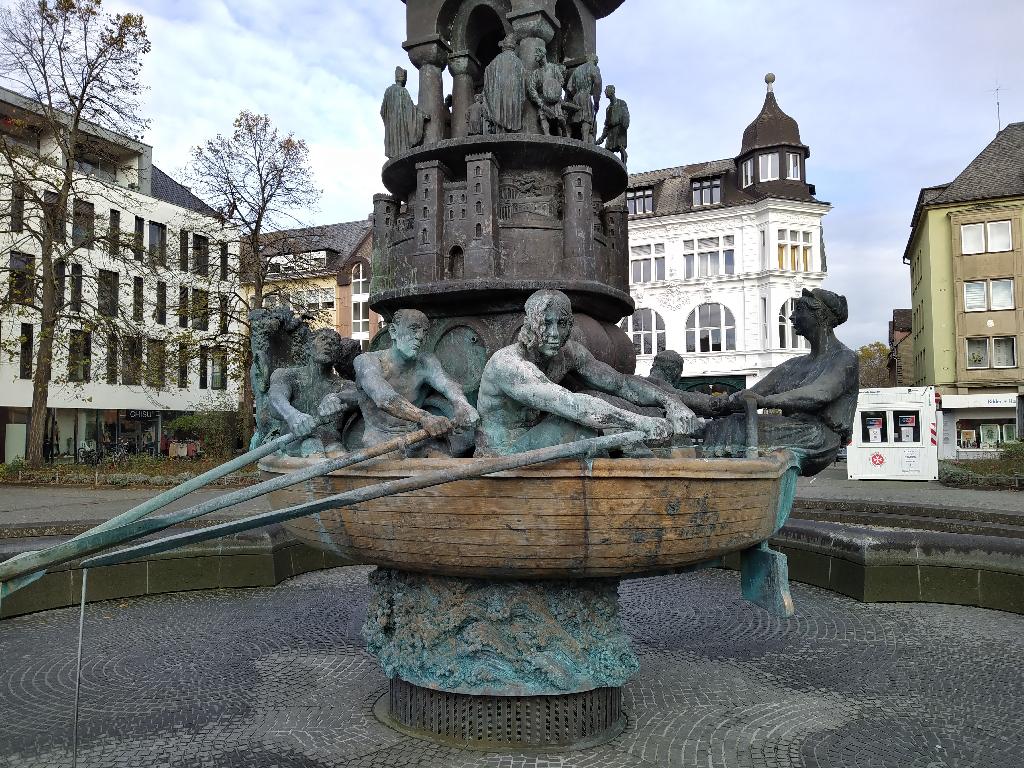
{"x":278,"y":677}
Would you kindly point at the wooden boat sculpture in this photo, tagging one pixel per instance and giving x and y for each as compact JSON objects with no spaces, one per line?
{"x":569,"y":519}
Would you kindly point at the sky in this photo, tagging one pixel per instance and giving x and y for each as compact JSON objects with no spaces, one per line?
{"x":890,"y":97}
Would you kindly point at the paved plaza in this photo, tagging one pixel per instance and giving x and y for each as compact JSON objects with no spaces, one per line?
{"x":278,"y":677}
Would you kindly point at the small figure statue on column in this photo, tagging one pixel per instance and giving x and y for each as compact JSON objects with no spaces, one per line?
{"x":544,"y":88}
{"x":403,"y":120}
{"x":505,"y":90}
{"x":476,"y":120}
{"x":616,"y":124}
{"x":585,"y":94}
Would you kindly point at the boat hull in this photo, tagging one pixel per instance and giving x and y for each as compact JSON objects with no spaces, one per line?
{"x":566,"y":520}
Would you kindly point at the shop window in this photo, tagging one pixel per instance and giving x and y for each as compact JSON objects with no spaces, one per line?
{"x":906,"y":426}
{"x":874,"y":427}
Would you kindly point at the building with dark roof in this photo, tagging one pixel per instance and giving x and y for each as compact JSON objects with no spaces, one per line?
{"x":718,"y":252}
{"x":150,"y":275}
{"x":325,"y":271}
{"x":966,"y":259}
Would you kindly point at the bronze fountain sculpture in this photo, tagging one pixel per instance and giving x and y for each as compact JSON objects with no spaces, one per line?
{"x":492,"y":454}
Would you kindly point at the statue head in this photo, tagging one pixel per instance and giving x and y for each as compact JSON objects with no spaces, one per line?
{"x":508,"y":43}
{"x":326,"y":347}
{"x":548,"y":322}
{"x":407,"y":329}
{"x":594,"y":59}
{"x":610,"y":92}
{"x":667,"y":366}
{"x":818,"y":308}
{"x":401,"y":76}
{"x":479,"y":98}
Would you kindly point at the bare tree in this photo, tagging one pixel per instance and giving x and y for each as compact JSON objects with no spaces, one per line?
{"x":74,"y":71}
{"x":262,"y":182}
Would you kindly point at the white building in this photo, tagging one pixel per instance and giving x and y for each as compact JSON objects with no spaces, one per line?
{"x":148,"y":287}
{"x":718,"y":252}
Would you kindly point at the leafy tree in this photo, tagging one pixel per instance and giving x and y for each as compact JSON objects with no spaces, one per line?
{"x":75,"y":73}
{"x":874,"y":365}
{"x":262,"y":181}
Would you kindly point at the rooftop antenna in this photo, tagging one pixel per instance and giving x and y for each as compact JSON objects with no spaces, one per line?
{"x":999,"y":118}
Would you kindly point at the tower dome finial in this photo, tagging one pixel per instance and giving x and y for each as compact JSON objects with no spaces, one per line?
{"x":770,"y":80}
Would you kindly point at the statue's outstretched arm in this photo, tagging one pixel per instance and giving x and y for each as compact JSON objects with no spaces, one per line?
{"x":827,"y":388}
{"x":465,"y":415}
{"x":279,"y":395}
{"x":525,"y":384}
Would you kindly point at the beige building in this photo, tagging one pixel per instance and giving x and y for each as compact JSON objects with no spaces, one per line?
{"x":966,"y":259}
{"x":326,"y":272}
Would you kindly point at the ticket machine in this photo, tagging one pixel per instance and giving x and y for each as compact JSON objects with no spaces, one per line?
{"x":894,"y":435}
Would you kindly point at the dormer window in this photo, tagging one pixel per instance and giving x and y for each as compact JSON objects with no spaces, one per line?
{"x":793,"y":165}
{"x":707,"y":192}
{"x":769,"y":167}
{"x":748,"y":173}
{"x":639,"y":201}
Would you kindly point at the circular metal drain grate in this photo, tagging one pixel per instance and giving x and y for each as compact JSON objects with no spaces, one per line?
{"x":499,"y":722}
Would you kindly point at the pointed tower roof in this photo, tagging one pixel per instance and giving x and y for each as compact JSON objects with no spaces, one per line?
{"x":772,"y":126}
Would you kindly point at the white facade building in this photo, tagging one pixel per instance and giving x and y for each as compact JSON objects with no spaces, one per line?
{"x":149,"y":285}
{"x":718,"y":252}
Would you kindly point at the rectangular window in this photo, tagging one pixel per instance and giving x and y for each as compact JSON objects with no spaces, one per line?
{"x":112,"y":348}
{"x":219,"y":369}
{"x":200,"y":255}
{"x":972,"y":238}
{"x":795,"y":250}
{"x":131,"y":361}
{"x":182,"y":366}
{"x":137,"y":238}
{"x":203,"y":368}
{"x":222,"y":302}
{"x":53,"y":220}
{"x":360,"y":317}
{"x":707,"y":192}
{"x":1004,"y":352}
{"x":223,"y":261}
{"x":59,"y":279}
{"x":183,"y":251}
{"x":200,"y":310}
{"x":25,"y":353}
{"x":977,"y":353}
{"x":183,"y":307}
{"x":768,"y":167}
{"x":106,"y":293}
{"x":1002,"y":294}
{"x":22,"y":285}
{"x":156,"y":363}
{"x":138,"y":299}
{"x":17,"y":207}
{"x":748,"y":173}
{"x":764,"y":322}
{"x":75,"y":305}
{"x":160,"y":313}
{"x":976,"y":296}
{"x":157,"y":244}
{"x":79,"y":355}
{"x":640,"y":201}
{"x":999,"y":236}
{"x":327,"y":298}
{"x":114,"y":232}
{"x":83,"y":226}
{"x":793,"y":165}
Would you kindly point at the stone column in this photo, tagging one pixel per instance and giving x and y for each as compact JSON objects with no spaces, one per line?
{"x":430,"y":56}
{"x":534,"y":28}
{"x":466,"y":74}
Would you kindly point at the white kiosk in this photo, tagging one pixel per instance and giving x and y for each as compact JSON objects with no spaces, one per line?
{"x":894,"y":435}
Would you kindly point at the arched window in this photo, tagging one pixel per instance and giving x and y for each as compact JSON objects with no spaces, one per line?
{"x":788,"y":338}
{"x":360,"y":279}
{"x":710,"y":328}
{"x":456,"y":260}
{"x":647,"y":329}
